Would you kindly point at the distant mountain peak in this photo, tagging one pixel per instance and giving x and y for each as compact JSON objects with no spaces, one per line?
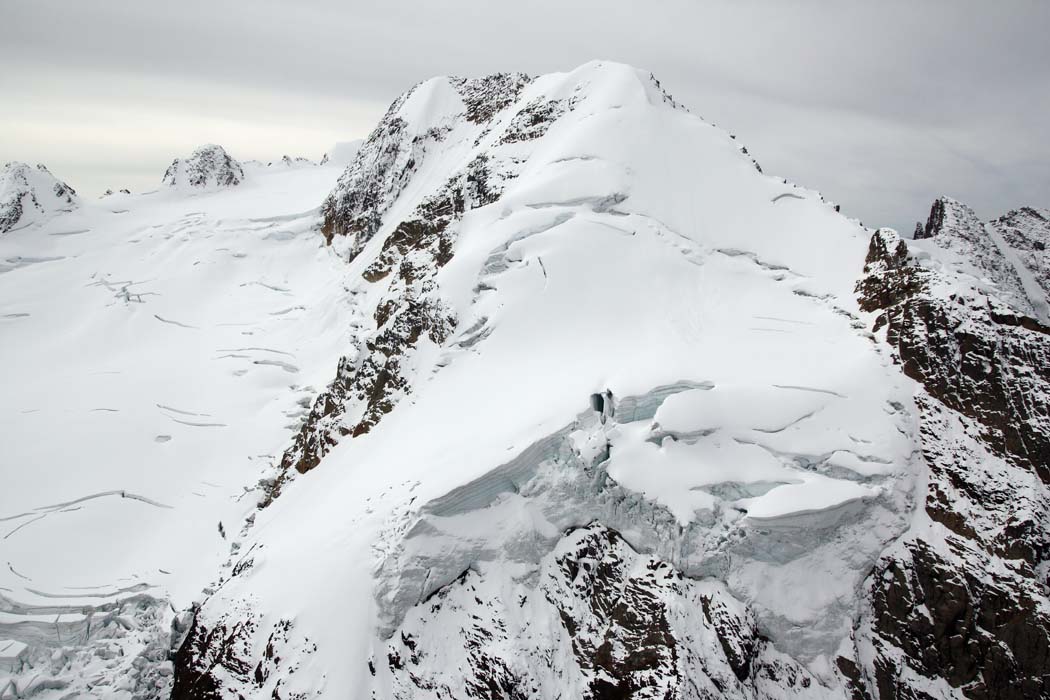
{"x":948,"y":217}
{"x":290,"y":162}
{"x":209,"y":167}
{"x":29,"y":194}
{"x":342,"y":153}
{"x":1009,"y":252}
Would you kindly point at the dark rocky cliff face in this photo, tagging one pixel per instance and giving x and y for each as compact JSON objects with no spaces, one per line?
{"x":965,"y":603}
{"x":972,"y":353}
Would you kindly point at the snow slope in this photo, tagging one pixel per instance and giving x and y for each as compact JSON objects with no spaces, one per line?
{"x":158,"y":350}
{"x":610,"y":244}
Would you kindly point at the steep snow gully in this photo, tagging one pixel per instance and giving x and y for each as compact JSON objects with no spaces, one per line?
{"x":542,"y":391}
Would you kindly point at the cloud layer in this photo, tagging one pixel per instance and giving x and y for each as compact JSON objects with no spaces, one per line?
{"x":881,"y":106}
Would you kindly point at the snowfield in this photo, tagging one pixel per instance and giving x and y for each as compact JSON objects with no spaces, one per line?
{"x":550,"y":392}
{"x":158,"y":351}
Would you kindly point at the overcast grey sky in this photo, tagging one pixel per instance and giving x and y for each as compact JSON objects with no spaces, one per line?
{"x":880,"y":105}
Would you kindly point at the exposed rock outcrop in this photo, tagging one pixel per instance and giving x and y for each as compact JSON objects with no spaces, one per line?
{"x":968,"y":349}
{"x":368,"y":385}
{"x":397,"y":146}
{"x":289,"y":162}
{"x":962,"y":603}
{"x":633,"y":625}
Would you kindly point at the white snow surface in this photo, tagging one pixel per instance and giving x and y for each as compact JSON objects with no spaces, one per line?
{"x":342,"y":153}
{"x":158,"y":350}
{"x":637,"y":247}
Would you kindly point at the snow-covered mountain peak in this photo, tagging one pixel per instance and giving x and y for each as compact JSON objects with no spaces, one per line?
{"x":605,"y":287}
{"x":949,"y":217}
{"x":31,"y":194}
{"x":209,"y":167}
{"x":557,"y":395}
{"x":1007,"y":257}
{"x":287,"y":161}
{"x":442,"y":124}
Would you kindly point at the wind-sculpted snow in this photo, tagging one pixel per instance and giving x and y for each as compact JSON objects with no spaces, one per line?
{"x":30,"y":195}
{"x":575,"y":476}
